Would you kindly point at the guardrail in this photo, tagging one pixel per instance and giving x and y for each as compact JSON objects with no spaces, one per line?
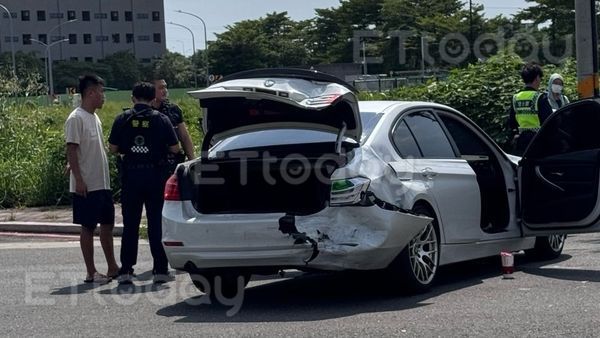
{"x":388,"y":83}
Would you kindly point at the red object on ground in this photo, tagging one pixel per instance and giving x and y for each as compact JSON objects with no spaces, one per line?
{"x":508,"y":264}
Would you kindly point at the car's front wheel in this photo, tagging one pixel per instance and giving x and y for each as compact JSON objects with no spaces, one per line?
{"x":416,"y":267}
{"x":547,"y":247}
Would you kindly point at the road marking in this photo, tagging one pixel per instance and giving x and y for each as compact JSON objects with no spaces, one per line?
{"x":40,"y":245}
{"x":51,"y":245}
{"x":565,"y":267}
{"x":38,"y":235}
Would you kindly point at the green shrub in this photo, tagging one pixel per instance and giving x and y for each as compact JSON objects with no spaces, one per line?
{"x":31,"y":155}
{"x":32,"y":148}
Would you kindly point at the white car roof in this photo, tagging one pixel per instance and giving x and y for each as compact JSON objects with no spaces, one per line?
{"x":383,"y":106}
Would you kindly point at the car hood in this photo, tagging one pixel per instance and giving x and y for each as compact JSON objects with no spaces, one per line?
{"x":279,"y":99}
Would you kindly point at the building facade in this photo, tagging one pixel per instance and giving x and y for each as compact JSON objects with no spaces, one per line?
{"x":95,"y":29}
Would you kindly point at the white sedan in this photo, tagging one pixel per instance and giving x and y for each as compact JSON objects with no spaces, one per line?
{"x":296,"y":173}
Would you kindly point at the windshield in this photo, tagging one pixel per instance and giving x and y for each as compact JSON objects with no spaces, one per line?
{"x":292,"y":136}
{"x":369,"y":120}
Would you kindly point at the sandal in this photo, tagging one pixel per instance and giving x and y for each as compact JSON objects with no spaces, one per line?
{"x":114,"y":275}
{"x":97,"y":278}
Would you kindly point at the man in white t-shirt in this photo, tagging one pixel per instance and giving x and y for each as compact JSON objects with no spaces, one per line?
{"x":90,"y":178}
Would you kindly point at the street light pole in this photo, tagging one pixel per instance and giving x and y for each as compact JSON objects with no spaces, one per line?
{"x":193,"y":48}
{"x":49,"y":33}
{"x":49,"y":79}
{"x":55,"y":27}
{"x":364,"y":48}
{"x":205,"y":42}
{"x":12,"y":40}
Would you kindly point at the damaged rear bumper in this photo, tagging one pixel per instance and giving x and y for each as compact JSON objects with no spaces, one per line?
{"x":352,"y":237}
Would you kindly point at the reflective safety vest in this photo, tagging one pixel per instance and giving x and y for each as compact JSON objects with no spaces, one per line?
{"x":526,"y":110}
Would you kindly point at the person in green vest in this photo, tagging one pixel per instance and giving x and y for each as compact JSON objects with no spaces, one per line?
{"x":528,"y":110}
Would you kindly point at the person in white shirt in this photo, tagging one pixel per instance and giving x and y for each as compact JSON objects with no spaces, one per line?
{"x":90,"y":179}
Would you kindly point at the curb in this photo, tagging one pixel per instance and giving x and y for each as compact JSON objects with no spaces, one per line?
{"x":53,"y":228}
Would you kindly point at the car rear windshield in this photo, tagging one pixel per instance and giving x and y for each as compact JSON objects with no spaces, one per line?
{"x":273,"y":137}
{"x":369,"y":120}
{"x":291,"y":136}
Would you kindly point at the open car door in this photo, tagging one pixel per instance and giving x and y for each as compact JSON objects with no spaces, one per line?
{"x":559,"y":173}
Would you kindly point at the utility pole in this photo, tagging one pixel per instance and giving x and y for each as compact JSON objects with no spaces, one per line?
{"x":364,"y":48}
{"x":471,"y":21}
{"x":422,"y":59}
{"x":587,"y":48}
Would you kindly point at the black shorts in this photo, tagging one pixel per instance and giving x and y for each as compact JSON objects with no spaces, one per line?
{"x":96,"y":207}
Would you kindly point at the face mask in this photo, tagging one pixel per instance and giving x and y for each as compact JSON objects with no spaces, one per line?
{"x":557,"y":89}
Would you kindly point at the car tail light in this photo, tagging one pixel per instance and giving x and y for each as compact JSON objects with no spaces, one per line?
{"x":322,"y":100}
{"x":348,"y":191}
{"x":172,"y":189}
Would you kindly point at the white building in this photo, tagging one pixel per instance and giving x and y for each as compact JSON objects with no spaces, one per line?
{"x":102,"y":27}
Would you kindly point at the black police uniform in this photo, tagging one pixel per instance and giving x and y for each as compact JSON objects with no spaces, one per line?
{"x":143,"y":136}
{"x":175,"y":115}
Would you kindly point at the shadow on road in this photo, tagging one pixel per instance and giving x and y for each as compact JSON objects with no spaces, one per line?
{"x":126,"y":289}
{"x":75,"y":289}
{"x":564,"y":273}
{"x":318,"y":296}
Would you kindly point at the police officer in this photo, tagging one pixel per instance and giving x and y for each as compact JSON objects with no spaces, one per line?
{"x":175,"y":115}
{"x":144,"y":138}
{"x":528,"y":111}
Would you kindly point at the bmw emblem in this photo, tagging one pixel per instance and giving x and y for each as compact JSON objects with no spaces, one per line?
{"x":269,"y":83}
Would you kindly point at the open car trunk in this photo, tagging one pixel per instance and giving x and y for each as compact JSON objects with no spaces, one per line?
{"x":293,"y":179}
{"x":281,"y":175}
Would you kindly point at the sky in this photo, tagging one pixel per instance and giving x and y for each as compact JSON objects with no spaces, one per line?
{"x":217,"y":14}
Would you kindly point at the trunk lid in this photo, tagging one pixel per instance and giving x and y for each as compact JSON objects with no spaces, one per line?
{"x":278,"y":99}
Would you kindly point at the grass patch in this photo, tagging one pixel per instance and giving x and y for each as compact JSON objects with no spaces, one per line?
{"x":32,"y":149}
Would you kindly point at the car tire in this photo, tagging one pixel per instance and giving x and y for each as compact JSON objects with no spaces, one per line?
{"x":547,"y":247}
{"x":415,"y":269}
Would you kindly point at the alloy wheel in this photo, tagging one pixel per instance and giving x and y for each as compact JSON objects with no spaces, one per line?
{"x":423,"y":254}
{"x":556,"y":242}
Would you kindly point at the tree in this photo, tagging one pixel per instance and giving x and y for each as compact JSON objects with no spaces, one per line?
{"x":126,"y":68}
{"x":26,"y":63}
{"x":333,"y":29}
{"x":434,"y":20}
{"x":175,"y":68}
{"x":559,"y":15}
{"x":273,"y":41}
{"x":66,"y":73}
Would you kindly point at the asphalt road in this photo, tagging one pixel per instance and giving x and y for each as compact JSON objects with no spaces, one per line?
{"x":42,"y":294}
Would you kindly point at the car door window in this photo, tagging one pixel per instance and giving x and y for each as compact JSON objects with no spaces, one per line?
{"x":429,"y":135}
{"x":573,"y":129}
{"x":405,"y":142}
{"x":467,"y":142}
